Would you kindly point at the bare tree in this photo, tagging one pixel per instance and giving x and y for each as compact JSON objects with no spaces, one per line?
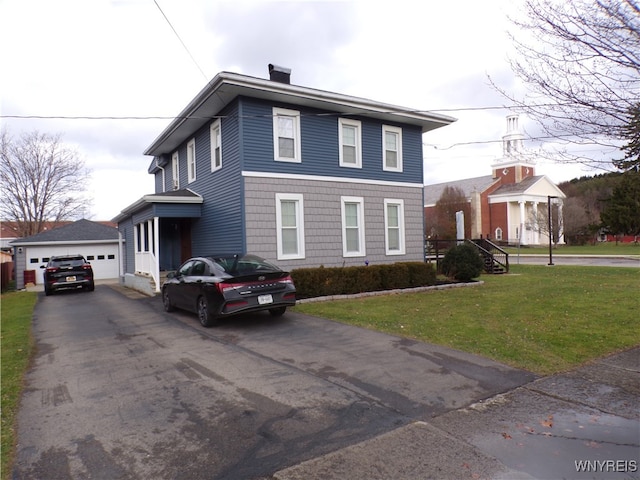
{"x":580,"y":61}
{"x":41,"y":180}
{"x":539,"y":221}
{"x":442,"y":220}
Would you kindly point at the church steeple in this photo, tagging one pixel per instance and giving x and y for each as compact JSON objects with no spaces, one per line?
{"x":512,"y":142}
{"x":514,"y":166}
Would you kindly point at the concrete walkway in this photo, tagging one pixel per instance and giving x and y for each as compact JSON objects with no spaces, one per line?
{"x":581,"y":424}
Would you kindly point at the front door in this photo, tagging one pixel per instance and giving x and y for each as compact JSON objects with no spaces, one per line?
{"x":185,"y":239}
{"x":175,"y":242}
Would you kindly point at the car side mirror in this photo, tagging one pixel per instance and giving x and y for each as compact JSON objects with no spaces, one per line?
{"x":171,"y":275}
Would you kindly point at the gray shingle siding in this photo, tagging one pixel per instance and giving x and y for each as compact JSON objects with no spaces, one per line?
{"x":323,"y":223}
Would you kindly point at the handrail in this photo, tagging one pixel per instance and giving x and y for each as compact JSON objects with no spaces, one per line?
{"x":492,"y":252}
{"x":435,"y":249}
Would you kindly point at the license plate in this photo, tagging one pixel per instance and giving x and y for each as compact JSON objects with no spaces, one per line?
{"x":264,"y":299}
{"x":71,"y":279}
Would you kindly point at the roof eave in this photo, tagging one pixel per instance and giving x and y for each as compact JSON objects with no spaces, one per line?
{"x":225,"y":87}
{"x":153,"y":198}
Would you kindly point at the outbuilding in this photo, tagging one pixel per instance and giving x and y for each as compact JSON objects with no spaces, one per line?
{"x":97,"y":242}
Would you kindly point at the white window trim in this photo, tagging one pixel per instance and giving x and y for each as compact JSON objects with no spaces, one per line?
{"x":358,"y":125}
{"x":298,"y":198}
{"x":277,"y":112}
{"x":397,"y":130}
{"x":191,"y":160}
{"x":361,"y":233}
{"x":175,"y":171}
{"x":400,"y":204}
{"x":498,"y":233}
{"x":216,"y":140}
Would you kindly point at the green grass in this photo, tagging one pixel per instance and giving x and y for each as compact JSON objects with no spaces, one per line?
{"x":17,"y":344}
{"x":541,"y":319}
{"x":605,"y":248}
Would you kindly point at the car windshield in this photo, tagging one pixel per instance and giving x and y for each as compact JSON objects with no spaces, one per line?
{"x":243,"y":264}
{"x":67,"y":262}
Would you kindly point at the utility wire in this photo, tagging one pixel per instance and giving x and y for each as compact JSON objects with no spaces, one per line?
{"x":183,"y":44}
{"x":325,"y":114}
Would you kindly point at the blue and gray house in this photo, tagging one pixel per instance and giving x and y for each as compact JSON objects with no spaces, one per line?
{"x":300,"y":176}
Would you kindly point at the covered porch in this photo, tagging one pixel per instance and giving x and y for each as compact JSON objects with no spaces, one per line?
{"x":157,"y":233}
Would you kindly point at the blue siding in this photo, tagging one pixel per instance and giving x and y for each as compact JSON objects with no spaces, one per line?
{"x":158,"y":182}
{"x":320,"y":147}
{"x":177,"y":210}
{"x":220,"y":226}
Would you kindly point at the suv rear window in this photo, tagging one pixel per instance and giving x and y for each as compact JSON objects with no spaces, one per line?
{"x":67,"y":262}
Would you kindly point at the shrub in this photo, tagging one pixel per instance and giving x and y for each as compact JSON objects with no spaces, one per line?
{"x":319,"y":282}
{"x":462,"y":263}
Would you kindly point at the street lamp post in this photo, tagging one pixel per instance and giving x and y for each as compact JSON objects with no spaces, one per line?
{"x":549,"y":197}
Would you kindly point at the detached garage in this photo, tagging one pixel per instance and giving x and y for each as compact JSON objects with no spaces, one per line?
{"x":98,"y":243}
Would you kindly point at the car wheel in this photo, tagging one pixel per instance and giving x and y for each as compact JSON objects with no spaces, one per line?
{"x":205,"y":317}
{"x":166,"y":301}
{"x":47,"y":291}
{"x":277,"y":312}
{"x":91,"y":287}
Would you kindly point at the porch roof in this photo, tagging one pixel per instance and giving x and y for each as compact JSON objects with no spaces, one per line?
{"x":182,"y":202}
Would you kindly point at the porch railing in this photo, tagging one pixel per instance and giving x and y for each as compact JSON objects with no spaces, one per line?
{"x":146,"y":264}
{"x":496,"y":260}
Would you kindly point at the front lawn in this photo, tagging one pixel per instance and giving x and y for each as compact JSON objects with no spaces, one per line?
{"x":16,"y":344}
{"x":538,"y":318}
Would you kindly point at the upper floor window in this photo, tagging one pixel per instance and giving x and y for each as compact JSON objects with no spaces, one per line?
{"x":353,"y":227}
{"x":392,"y":148}
{"x":350,"y":143}
{"x":216,"y":146}
{"x":286,"y":135}
{"x":191,"y":160}
{"x":394,"y":226}
{"x":290,"y":226}
{"x":175,"y":171}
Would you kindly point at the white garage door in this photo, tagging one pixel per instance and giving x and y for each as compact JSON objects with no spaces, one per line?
{"x":102,"y":256}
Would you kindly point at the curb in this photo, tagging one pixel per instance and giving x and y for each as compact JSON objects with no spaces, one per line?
{"x":388,"y":292}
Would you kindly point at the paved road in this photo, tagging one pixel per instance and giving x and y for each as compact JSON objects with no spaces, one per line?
{"x":119,"y":389}
{"x":584,"y":260}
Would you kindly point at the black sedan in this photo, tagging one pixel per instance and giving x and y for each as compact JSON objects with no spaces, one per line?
{"x":68,"y":272}
{"x":219,"y":286}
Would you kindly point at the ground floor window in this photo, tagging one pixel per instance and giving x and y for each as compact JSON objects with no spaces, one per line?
{"x":394,"y":226}
{"x":290,"y":226}
{"x":353,"y":239}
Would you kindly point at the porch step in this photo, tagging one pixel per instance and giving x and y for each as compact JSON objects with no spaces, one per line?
{"x":163,"y":277}
{"x":492,"y":267}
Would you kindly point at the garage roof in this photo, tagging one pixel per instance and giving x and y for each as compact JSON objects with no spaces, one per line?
{"x":81,"y":230}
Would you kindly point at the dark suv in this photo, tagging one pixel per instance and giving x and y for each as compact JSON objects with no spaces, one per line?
{"x":67,"y":271}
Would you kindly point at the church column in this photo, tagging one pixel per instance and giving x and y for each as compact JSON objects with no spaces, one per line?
{"x":521,"y":229}
{"x":561,"y":223}
{"x":535,"y":231}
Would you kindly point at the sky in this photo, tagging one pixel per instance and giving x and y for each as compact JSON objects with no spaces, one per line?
{"x":124,"y":68}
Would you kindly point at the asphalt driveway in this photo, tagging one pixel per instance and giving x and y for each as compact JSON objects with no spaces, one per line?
{"x":119,"y":389}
